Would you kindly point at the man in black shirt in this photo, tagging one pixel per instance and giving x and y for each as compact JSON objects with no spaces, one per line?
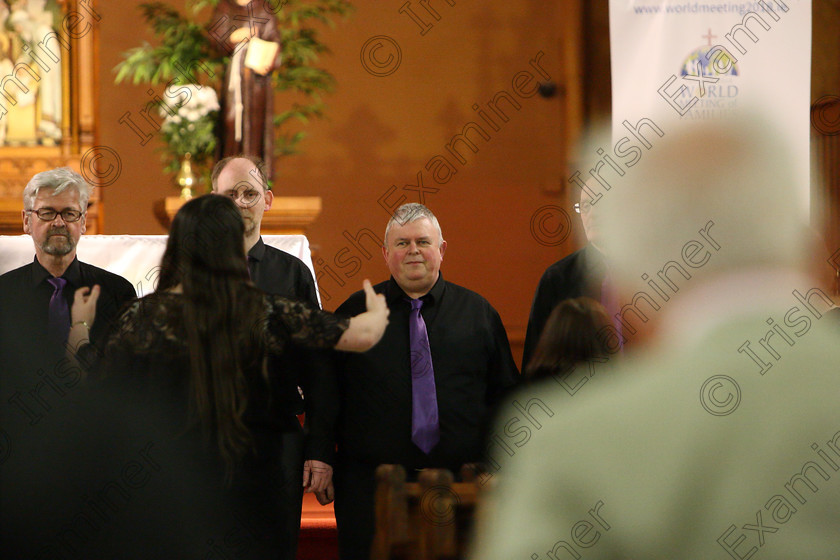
{"x":41,"y":383}
{"x":276,"y":272}
{"x":580,"y":274}
{"x":472,"y":367}
{"x":55,"y":206}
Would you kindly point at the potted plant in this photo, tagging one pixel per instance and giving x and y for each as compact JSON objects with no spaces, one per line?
{"x":185,"y":42}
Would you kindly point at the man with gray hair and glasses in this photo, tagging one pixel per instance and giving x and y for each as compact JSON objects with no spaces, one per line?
{"x":35,"y":299}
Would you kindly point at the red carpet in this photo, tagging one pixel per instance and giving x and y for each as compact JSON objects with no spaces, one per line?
{"x":318,"y":537}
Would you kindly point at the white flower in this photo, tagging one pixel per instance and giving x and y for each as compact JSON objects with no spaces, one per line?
{"x":169,"y":119}
{"x":195,"y":103}
{"x":207,"y":100}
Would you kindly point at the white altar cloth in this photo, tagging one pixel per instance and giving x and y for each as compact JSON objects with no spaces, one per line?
{"x":134,"y":257}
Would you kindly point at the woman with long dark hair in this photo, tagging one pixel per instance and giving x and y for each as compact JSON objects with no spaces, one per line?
{"x":199,"y":345}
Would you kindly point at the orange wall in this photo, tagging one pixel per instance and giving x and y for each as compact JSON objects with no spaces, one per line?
{"x":382,"y":131}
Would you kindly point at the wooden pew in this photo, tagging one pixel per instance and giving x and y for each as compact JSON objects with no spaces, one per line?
{"x":425,"y":520}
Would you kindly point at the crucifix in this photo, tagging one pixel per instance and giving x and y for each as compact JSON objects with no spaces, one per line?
{"x":709,"y":37}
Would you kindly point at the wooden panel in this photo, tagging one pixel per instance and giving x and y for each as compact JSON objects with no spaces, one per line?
{"x":289,"y":215}
{"x":825,"y":129}
{"x":430,"y":519}
{"x":77,"y":28}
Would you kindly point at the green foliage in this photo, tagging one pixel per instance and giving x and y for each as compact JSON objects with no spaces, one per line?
{"x":182,"y":42}
{"x":183,"y":39}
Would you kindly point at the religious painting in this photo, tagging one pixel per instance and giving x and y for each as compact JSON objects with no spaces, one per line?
{"x":47,"y":94}
{"x":32,"y":98}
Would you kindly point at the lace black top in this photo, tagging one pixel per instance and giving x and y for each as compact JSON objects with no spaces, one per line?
{"x":148,"y":357}
{"x":150,"y":346}
{"x":155,"y":323}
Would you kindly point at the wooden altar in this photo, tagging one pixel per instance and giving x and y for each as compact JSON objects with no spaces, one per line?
{"x":289,"y":215}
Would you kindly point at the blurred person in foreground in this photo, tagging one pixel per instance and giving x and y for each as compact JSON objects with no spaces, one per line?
{"x":719,"y":435}
{"x":202,"y":341}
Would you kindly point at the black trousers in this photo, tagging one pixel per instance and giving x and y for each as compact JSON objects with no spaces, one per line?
{"x":355,"y":515}
{"x":291,"y":462}
{"x":270,"y":497}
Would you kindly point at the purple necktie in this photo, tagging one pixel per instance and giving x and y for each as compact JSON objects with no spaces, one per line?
{"x":609,"y":299}
{"x":59,"y":315}
{"x":425,"y":428}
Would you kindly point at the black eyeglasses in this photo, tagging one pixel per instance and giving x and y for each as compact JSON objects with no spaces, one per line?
{"x":584,"y":206}
{"x":48,"y":214}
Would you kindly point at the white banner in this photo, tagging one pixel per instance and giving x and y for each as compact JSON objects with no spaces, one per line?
{"x":687,"y":60}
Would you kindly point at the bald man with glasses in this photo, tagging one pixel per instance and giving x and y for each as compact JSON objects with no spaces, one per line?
{"x":305,"y":456}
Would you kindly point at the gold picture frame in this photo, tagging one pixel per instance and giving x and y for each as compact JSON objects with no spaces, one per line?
{"x":48,"y":88}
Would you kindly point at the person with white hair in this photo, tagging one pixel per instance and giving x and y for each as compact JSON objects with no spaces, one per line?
{"x":44,"y":356}
{"x":718,"y":436}
{"x":35,"y":299}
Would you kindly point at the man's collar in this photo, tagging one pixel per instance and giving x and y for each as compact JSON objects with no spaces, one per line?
{"x":73,"y":274}
{"x":394,"y":293}
{"x":257,"y":251}
{"x":594,"y":261}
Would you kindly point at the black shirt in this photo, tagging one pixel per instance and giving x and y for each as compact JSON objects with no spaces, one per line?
{"x":473,"y":368}
{"x":40,"y":388}
{"x":279,"y":273}
{"x":576,"y":275}
{"x":24,"y":312}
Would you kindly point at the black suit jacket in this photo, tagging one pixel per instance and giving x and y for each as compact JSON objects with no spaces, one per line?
{"x":576,"y":275}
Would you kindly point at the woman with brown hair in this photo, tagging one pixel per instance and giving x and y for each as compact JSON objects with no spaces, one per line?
{"x":576,"y":332}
